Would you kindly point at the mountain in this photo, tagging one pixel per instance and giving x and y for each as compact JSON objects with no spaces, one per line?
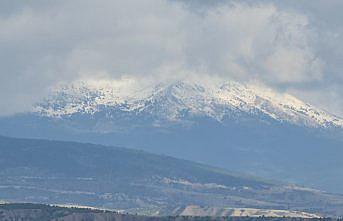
{"x":42,"y":171}
{"x":178,"y":101}
{"x":240,"y":127}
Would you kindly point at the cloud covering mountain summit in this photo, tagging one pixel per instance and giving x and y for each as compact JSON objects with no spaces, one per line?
{"x":44,"y":43}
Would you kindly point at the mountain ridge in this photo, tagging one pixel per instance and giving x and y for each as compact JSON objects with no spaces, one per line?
{"x":173,"y":99}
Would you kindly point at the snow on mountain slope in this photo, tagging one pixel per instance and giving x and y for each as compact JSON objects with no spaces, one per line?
{"x":177,"y":100}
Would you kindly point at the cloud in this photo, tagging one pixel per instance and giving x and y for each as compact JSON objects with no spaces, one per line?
{"x":43,"y":43}
{"x":256,"y":41}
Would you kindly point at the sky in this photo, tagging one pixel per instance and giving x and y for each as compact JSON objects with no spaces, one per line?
{"x":291,"y":46}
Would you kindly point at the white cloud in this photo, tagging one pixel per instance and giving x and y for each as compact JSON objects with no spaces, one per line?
{"x":43,"y":44}
{"x":256,"y":41}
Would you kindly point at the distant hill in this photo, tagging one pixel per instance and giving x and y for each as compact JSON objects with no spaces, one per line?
{"x":40,"y":212}
{"x":54,"y":172}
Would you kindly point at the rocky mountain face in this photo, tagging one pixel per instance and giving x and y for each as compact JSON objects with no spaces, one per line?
{"x":240,"y":127}
{"x":52,"y":172}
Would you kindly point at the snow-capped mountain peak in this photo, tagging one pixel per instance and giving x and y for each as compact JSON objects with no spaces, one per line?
{"x":178,"y":100}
